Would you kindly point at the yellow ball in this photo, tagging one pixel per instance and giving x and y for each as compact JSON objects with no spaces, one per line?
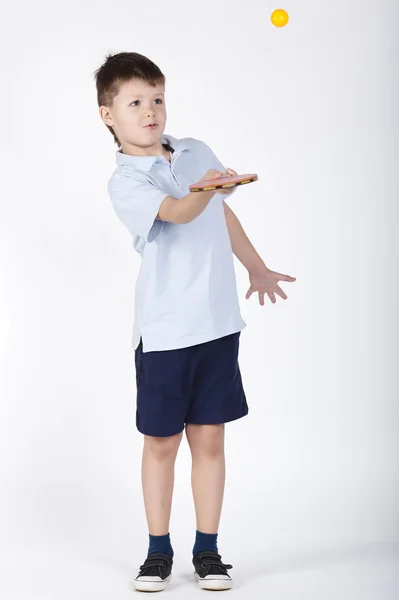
{"x":279,"y":17}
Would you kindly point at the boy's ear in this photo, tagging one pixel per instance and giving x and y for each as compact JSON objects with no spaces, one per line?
{"x":105,"y":115}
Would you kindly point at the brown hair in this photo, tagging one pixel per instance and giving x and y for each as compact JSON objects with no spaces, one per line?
{"x":121,"y":68}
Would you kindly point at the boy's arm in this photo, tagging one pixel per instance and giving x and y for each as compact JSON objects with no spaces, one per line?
{"x":185,"y":209}
{"x":242,"y":247}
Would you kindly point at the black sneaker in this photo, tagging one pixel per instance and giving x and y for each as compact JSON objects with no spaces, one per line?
{"x":155,"y":573}
{"x":210,"y":572}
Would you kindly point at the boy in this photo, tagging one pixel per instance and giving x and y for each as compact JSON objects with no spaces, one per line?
{"x":187,"y":317}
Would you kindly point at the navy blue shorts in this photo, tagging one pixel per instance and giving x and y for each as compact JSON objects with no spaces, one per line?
{"x":200,"y":384}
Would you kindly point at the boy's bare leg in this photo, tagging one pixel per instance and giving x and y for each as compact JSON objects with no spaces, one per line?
{"x":157,"y":476}
{"x":208,"y":473}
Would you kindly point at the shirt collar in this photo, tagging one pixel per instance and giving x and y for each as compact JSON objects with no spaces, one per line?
{"x":144,"y":163}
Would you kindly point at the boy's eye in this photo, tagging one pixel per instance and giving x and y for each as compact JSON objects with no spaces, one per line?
{"x":160,"y":100}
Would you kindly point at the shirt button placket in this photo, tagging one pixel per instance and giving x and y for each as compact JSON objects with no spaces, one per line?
{"x":174,"y":177}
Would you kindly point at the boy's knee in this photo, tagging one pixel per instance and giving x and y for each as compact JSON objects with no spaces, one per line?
{"x":206,"y":440}
{"x":163,"y":447}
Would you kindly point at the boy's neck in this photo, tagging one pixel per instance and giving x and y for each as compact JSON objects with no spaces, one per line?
{"x":166,"y":153}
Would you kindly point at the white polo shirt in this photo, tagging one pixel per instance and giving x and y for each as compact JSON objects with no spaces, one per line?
{"x":186,"y":291}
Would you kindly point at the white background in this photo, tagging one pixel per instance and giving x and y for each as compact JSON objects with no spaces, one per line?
{"x":312,"y":471}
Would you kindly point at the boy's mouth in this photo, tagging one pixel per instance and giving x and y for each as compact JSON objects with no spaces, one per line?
{"x":151,"y":126}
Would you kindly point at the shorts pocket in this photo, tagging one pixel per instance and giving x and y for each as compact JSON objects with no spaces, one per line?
{"x":139,"y":367}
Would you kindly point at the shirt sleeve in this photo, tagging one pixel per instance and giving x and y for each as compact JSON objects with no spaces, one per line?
{"x":136,"y":202}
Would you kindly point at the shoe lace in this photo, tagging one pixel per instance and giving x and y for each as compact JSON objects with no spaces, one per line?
{"x":153,"y":566}
{"x":213,"y":564}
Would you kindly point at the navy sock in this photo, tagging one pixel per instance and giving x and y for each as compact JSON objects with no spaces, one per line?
{"x":205,"y":541}
{"x":160,"y":543}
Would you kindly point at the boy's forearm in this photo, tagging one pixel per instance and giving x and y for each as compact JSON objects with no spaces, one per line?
{"x":242,"y":247}
{"x":191,"y":206}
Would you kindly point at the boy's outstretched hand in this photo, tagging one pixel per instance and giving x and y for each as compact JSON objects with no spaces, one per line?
{"x":264,"y":281}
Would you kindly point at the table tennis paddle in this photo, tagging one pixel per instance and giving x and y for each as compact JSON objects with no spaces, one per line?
{"x":222,"y":182}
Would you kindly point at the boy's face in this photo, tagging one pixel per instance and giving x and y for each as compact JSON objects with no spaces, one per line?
{"x":135,"y":106}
